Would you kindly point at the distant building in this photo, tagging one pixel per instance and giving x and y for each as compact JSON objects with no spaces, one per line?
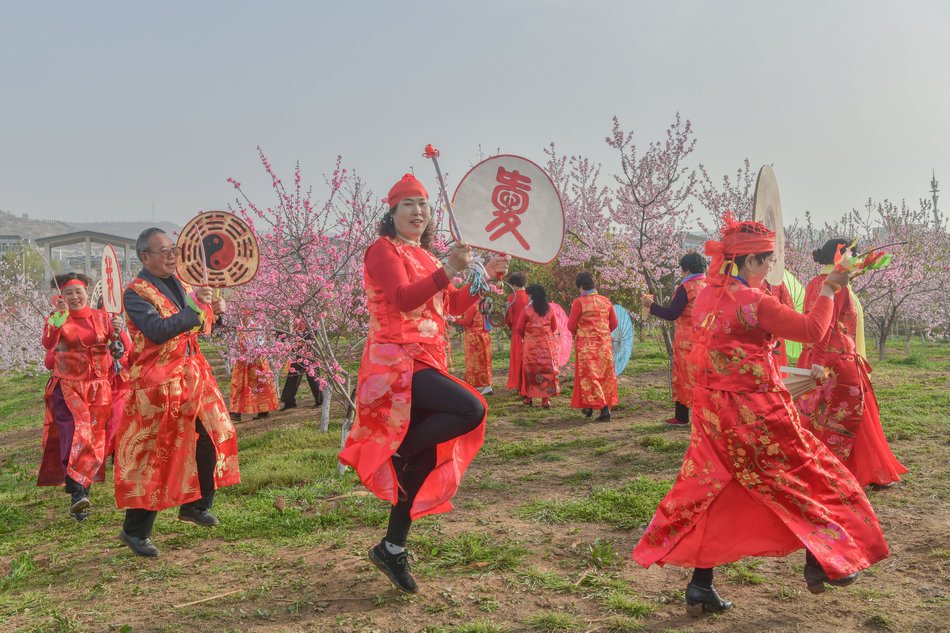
{"x":10,"y":244}
{"x":88,"y":262}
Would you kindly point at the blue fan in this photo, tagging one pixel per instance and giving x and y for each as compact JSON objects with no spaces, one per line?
{"x":623,"y":339}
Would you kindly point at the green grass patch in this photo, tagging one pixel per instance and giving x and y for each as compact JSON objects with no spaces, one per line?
{"x":553,"y":622}
{"x":467,"y":552}
{"x":21,"y":401}
{"x":627,"y":507}
{"x":621,"y":602}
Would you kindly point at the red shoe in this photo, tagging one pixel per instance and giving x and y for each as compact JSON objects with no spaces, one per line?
{"x":526,"y":400}
{"x":676,"y":422}
{"x":545,"y":403}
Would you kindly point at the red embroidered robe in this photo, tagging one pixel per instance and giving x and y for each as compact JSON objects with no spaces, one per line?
{"x":539,"y":354}
{"x":82,"y":368}
{"x":843,"y":412}
{"x":591,"y":322}
{"x":155,"y":464}
{"x":252,"y":385}
{"x":477,"y":348}
{"x":405,"y":335}
{"x":518,"y":301}
{"x":754,"y":482}
{"x":683,"y":343}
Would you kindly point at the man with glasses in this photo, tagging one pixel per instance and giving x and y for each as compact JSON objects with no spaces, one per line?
{"x":176,"y":443}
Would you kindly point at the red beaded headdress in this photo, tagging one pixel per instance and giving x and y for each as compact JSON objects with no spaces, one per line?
{"x":738,"y":238}
{"x":407,"y":187}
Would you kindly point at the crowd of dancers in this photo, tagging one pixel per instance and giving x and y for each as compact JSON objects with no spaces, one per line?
{"x":764,"y":475}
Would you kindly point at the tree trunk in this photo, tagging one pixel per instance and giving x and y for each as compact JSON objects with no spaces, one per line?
{"x":325,"y":409}
{"x":907,"y":333}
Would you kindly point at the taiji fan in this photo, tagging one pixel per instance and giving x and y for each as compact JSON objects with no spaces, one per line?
{"x":218,"y":249}
{"x":564,"y":341}
{"x":95,"y":295}
{"x":507,"y":204}
{"x":110,"y":281}
{"x":767,"y":209}
{"x":622,"y":339}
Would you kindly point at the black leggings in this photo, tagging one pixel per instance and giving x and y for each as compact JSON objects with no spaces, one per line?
{"x":441,"y":410}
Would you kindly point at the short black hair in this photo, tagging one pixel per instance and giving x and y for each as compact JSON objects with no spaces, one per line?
{"x":584,"y":280}
{"x":518,"y":279}
{"x":693,"y":262}
{"x":826,"y":254}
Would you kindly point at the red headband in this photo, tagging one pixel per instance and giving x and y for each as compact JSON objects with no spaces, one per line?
{"x":73,"y":282}
{"x":405,"y":188}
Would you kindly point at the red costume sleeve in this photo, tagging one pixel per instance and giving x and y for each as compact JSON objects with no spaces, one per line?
{"x":459,"y":299}
{"x":786,"y":323}
{"x":818,"y":350}
{"x":575,"y":317}
{"x":468,"y":319}
{"x":612,"y":315}
{"x":50,"y":336}
{"x":385,"y":266}
{"x":522,"y":323}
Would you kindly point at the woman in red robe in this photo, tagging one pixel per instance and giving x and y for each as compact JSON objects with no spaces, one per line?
{"x":477,"y":349}
{"x":591,"y":322}
{"x":680,"y":310}
{"x":843,"y":412}
{"x":79,"y":393}
{"x":252,"y":384}
{"x":538,"y":329}
{"x":417,"y":428}
{"x":516,"y":305}
{"x":754,"y":481}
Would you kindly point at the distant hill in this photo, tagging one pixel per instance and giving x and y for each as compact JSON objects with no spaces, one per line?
{"x":25,"y":227}
{"x":11,"y":224}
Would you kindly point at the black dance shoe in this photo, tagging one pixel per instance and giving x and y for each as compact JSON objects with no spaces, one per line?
{"x":262,"y":415}
{"x":198,"y":516}
{"x":587,"y":412}
{"x":288,"y":405}
{"x":604,"y":415}
{"x":815,"y":578}
{"x":79,"y":516}
{"x":79,"y":501}
{"x":141,"y":546}
{"x":396,"y":566}
{"x":699,"y":599}
{"x":235,"y":417}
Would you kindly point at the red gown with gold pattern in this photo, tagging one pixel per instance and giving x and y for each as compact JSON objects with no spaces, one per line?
{"x":683,"y":342}
{"x":82,"y":368}
{"x":754,"y":482}
{"x":155,"y":464}
{"x":477,"y":348}
{"x":843,"y":412}
{"x":518,"y":301}
{"x":401,"y":342}
{"x":252,"y":385}
{"x":591,"y":322}
{"x":539,"y":354}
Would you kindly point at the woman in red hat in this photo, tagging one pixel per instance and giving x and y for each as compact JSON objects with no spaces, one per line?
{"x":754,"y":482}
{"x":843,"y":412}
{"x":79,"y":393}
{"x":417,"y":428}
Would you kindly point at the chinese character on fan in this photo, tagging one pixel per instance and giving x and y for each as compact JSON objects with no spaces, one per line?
{"x":510,"y":199}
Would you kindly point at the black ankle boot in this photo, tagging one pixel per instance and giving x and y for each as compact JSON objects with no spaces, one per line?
{"x":815,"y":578}
{"x":699,"y":599}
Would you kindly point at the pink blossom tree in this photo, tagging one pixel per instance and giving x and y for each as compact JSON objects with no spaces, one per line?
{"x":307,"y":299}
{"x":25,"y":305}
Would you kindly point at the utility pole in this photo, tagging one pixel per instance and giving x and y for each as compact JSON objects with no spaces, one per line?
{"x":933,"y":193}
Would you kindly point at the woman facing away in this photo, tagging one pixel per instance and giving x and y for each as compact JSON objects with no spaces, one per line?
{"x":79,"y":393}
{"x":591,"y":322}
{"x":417,"y":428}
{"x":477,"y":328}
{"x":754,"y":481}
{"x":843,"y":412}
{"x":680,"y":310}
{"x":538,"y":328}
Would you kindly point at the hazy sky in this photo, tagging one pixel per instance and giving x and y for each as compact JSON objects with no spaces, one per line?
{"x":109,"y":108}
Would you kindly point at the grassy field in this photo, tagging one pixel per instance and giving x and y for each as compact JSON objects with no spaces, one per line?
{"x":539,"y":540}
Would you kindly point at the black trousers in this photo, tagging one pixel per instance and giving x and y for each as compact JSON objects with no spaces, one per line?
{"x":441,"y":410}
{"x":288,"y":395}
{"x":682,"y":412}
{"x":139,"y":521}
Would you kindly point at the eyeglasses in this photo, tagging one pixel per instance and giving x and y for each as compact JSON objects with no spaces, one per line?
{"x":165,"y":252}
